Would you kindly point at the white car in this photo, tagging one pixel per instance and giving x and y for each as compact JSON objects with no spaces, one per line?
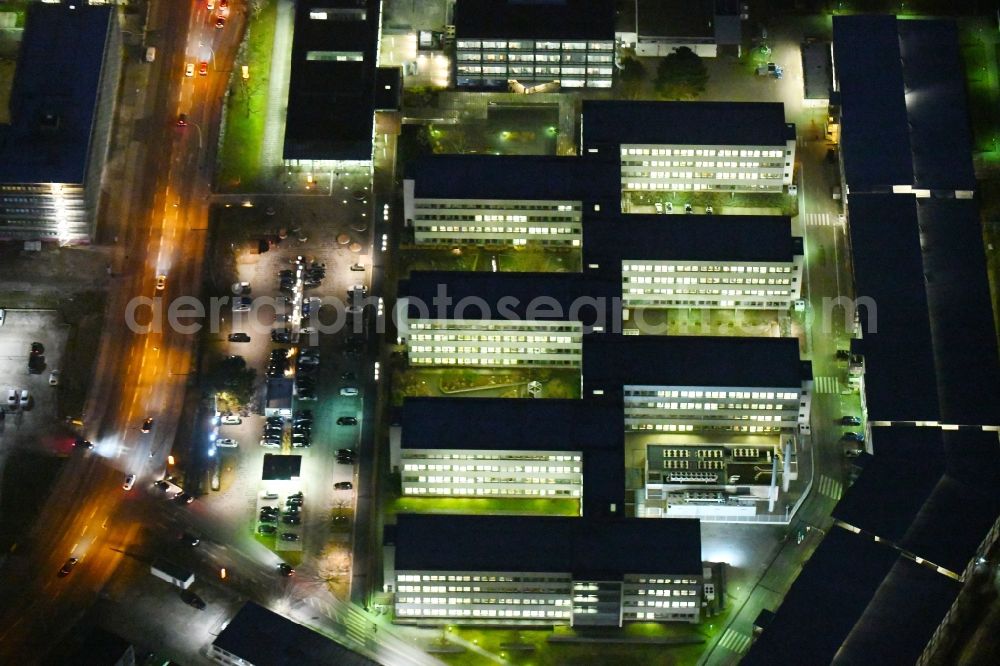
{"x":3,"y":316}
{"x":349,"y":390}
{"x":270,"y":445}
{"x":161,"y":282}
{"x":189,"y":69}
{"x":12,"y":398}
{"x":227,"y":443}
{"x":54,"y":378}
{"x":25,"y":398}
{"x":129,"y":482}
{"x":308,"y":330}
{"x":232,"y":419}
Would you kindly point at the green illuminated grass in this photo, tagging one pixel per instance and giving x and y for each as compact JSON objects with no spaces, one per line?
{"x":486,"y":506}
{"x":475,"y":258}
{"x":239,"y":154}
{"x":482,"y":383}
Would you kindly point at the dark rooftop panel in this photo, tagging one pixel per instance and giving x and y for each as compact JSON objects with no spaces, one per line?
{"x":535,"y":19}
{"x":900,"y":378}
{"x":612,"y":123}
{"x":961,"y":313}
{"x":875,"y":141}
{"x":676,"y":18}
{"x":611,"y":361}
{"x":501,"y":423}
{"x":265,"y":638}
{"x":610,"y":238}
{"x":824,"y":603}
{"x":937,"y":108}
{"x":901,"y":618}
{"x":54,"y":95}
{"x":514,"y":177}
{"x":581,"y":546}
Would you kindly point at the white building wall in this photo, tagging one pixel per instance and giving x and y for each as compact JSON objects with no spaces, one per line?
{"x":657,"y":598}
{"x":496,"y":222}
{"x":718,"y":284}
{"x":709,"y":168}
{"x":493,"y":343}
{"x":707,"y":408}
{"x":491,"y":473}
{"x":571,"y":63}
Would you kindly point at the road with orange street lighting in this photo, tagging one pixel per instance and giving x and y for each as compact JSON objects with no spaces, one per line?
{"x":137,"y":375}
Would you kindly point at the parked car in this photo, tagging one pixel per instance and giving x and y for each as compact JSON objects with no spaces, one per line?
{"x":54,"y":378}
{"x":183,"y":498}
{"x":289,"y":536}
{"x":285,"y":569}
{"x":347,"y":421}
{"x":850,"y":421}
{"x":129,"y":482}
{"x":343,"y":485}
{"x":227,"y":443}
{"x":147,"y":425}
{"x":266,"y":529}
{"x":192,"y":599}
{"x":239,"y":337}
{"x":349,"y":391}
{"x":231,"y":419}
{"x":853,"y":437}
{"x":25,"y":398}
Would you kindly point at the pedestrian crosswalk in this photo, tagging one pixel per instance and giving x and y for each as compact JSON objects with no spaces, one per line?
{"x":735,"y":641}
{"x":826,"y":385}
{"x":830,"y":487}
{"x":820,"y":219}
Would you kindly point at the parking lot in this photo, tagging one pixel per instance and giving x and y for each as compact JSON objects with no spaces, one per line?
{"x":30,"y":423}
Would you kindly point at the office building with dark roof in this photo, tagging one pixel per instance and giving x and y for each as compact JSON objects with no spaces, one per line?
{"x":726,"y":261}
{"x":903,"y":109}
{"x":502,"y":319}
{"x":692,"y":146}
{"x":657,"y":28}
{"x":543,"y":570}
{"x":686,"y":384}
{"x":510,"y":200}
{"x":557,"y":449}
{"x":908,"y":533}
{"x":54,"y":144}
{"x":335,"y":86}
{"x":257,"y":636}
{"x":526,"y":43}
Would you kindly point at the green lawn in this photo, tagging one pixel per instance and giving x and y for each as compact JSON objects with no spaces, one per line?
{"x":486,"y":506}
{"x":720,"y":201}
{"x":239,"y":154}
{"x":475,"y":258}
{"x":483,"y":383}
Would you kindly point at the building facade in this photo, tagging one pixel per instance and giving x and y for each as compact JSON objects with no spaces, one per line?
{"x":704,"y":284}
{"x":693,"y":146}
{"x":492,"y":473}
{"x":54,"y":148}
{"x":501,"y":43}
{"x":492,"y":343}
{"x":743,"y":409}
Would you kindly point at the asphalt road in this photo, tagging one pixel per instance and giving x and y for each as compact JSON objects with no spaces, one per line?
{"x":136,"y":375}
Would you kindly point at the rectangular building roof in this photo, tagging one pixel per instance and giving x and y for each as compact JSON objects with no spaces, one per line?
{"x":609,"y":239}
{"x":613,"y":123}
{"x":53,"y":99}
{"x":834,"y":588}
{"x":936,"y":105}
{"x":502,"y":423}
{"x":875,"y":141}
{"x":594,"y":549}
{"x":511,"y":296}
{"x":536,"y":177}
{"x":816,"y":65}
{"x":676,"y":19}
{"x":900,"y":376}
{"x":331,"y":94}
{"x":611,"y":361}
{"x":265,"y":638}
{"x":535,"y":19}
{"x":961,"y":311}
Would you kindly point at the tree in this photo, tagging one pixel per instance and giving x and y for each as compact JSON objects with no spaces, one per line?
{"x":231,"y":375}
{"x":632,"y":74}
{"x":681,"y":75}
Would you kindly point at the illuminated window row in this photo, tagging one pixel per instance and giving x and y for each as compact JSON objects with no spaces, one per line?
{"x":753,"y":395}
{"x":483,"y":491}
{"x":703,"y":152}
{"x":704,"y":268}
{"x":491,"y":361}
{"x":530,"y":469}
{"x":494,"y":325}
{"x":445,"y":455}
{"x":686,"y":186}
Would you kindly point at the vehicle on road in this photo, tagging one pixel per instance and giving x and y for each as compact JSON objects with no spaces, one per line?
{"x":183,"y":498}
{"x":161,"y":282}
{"x":54,"y":378}
{"x":347,"y":421}
{"x":349,"y":391}
{"x":82,"y":443}
{"x":285,"y":569}
{"x":231,"y":419}
{"x":147,"y":425}
{"x":189,"y":69}
{"x":202,"y":68}
{"x":227,"y":443}
{"x":129,"y":482}
{"x":343,"y":485}
{"x":239,"y":337}
{"x":220,"y":23}
{"x":68,"y":566}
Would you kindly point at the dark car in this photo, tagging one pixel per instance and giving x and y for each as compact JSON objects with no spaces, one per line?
{"x":294,"y":501}
{"x":192,"y":599}
{"x":37,"y":349}
{"x":147,"y":425}
{"x":345,"y":452}
{"x":843,"y":355}
{"x":853,"y":437}
{"x":183,"y":498}
{"x":266,"y":529}
{"x":68,"y":566}
{"x":347,"y":421}
{"x":189,"y":540}
{"x":343,"y":485}
{"x":850,"y":421}
{"x":82,"y":443}
{"x":285,"y":569}
{"x":239,"y":337}
{"x":162,"y":484}
{"x":289,"y":536}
